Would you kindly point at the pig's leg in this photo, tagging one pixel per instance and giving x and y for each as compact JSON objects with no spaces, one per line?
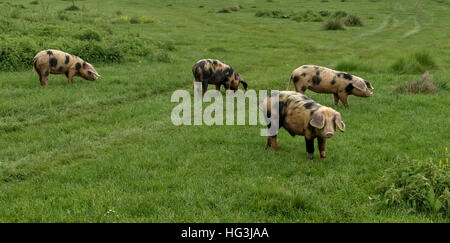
{"x":321,"y":143}
{"x":69,"y":76}
{"x":343,"y":98}
{"x":43,"y":77}
{"x":218,"y":87}
{"x":274,"y":142}
{"x":204,"y":86}
{"x":310,"y":148}
{"x":336,"y":99}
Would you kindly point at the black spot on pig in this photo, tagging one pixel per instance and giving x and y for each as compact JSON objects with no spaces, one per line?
{"x":60,"y":69}
{"x":349,"y":88}
{"x":78,"y":66}
{"x":333,"y":82}
{"x":316,"y":80}
{"x":67,"y":73}
{"x":305,"y":67}
{"x":347,"y":76}
{"x":46,"y":73}
{"x":303,"y":74}
{"x":67,"y":59}
{"x":296,"y":78}
{"x":53,"y":62}
{"x":49,"y":53}
{"x":215,"y":62}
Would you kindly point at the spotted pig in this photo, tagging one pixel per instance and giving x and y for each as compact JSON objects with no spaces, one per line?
{"x":325,"y":80}
{"x":209,"y":71}
{"x":300,"y":115}
{"x":58,"y":62}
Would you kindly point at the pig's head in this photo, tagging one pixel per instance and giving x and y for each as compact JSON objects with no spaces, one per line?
{"x":88,"y":72}
{"x":361,"y":88}
{"x":236,"y":79}
{"x":326,"y":119}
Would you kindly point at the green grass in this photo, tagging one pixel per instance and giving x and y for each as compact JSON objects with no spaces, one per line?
{"x":106,"y":151}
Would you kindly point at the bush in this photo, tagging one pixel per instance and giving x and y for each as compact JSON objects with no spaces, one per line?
{"x":353,"y":20}
{"x":424,"y":84}
{"x":422,"y":187}
{"x":334,"y":24}
{"x":224,"y":10}
{"x":88,"y":34}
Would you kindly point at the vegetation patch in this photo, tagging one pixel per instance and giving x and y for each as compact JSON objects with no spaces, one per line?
{"x":424,"y":85}
{"x":417,"y":63}
{"x":334,"y":24}
{"x":421,"y":187}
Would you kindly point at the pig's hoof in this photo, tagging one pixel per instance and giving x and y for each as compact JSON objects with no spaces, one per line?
{"x":310,"y":156}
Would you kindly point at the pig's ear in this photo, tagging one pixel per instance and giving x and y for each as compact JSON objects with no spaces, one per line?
{"x":340,"y":124}
{"x":369,"y":85}
{"x":360,"y":85}
{"x":317,"y":120}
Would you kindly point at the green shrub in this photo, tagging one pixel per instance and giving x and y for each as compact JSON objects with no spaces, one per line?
{"x":17,"y":53}
{"x":164,"y":57}
{"x":422,"y":187}
{"x":88,"y":34}
{"x":34,"y":2}
{"x":339,"y":14}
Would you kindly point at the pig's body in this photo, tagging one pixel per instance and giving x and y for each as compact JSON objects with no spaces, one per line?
{"x":210,"y":71}
{"x":325,"y":80}
{"x":300,"y":115}
{"x":58,"y":62}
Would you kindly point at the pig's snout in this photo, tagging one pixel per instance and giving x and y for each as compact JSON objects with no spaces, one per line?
{"x":329,"y":134}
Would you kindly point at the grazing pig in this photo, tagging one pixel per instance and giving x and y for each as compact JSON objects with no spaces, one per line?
{"x":209,"y":71}
{"x":300,"y":115}
{"x":59,"y":62}
{"x":325,"y":80}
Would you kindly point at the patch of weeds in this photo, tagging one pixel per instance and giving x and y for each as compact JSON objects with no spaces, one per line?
{"x":224,"y":10}
{"x":88,"y":34}
{"x":353,"y":20}
{"x":164,"y":57}
{"x":422,"y":187}
{"x":417,"y":63}
{"x":424,"y":85}
{"x":34,"y":2}
{"x":334,"y":24}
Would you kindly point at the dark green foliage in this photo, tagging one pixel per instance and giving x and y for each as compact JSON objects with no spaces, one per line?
{"x":88,"y":34}
{"x":420,"y":186}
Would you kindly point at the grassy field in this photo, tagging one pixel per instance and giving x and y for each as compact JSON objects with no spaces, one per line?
{"x":107,"y":151}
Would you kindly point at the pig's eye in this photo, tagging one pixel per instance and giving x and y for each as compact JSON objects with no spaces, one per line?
{"x":89,"y":72}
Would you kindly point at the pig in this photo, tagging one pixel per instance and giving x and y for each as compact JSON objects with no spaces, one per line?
{"x":325,"y":80}
{"x":302,"y":116}
{"x":209,"y":71}
{"x":58,"y":62}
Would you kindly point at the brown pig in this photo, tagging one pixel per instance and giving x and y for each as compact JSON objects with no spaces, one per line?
{"x":58,"y":62}
{"x":209,"y":71}
{"x":300,"y":115}
{"x":325,"y":80}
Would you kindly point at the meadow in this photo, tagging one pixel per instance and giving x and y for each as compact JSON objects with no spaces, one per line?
{"x":107,"y":151}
